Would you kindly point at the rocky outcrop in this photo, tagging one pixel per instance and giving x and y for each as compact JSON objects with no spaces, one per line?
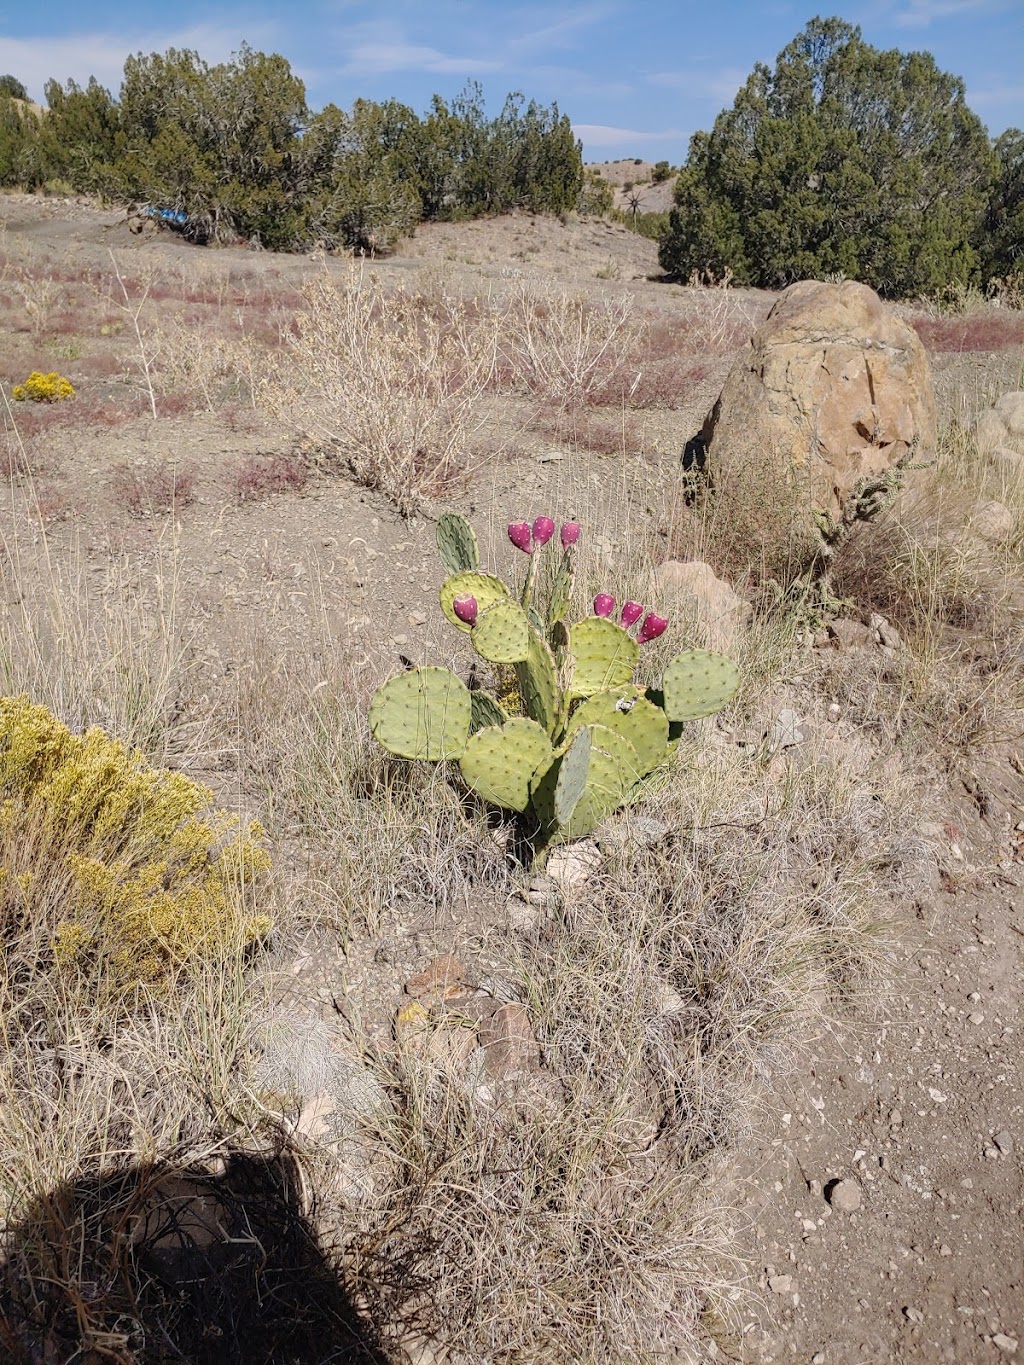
{"x":833,"y":391}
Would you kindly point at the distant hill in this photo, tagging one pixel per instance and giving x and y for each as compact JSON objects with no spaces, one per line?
{"x":629,"y":171}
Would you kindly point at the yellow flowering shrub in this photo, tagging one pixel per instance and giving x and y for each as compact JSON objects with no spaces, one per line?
{"x":129,"y":869}
{"x":44,"y":388}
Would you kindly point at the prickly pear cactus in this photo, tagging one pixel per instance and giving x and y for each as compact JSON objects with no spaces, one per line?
{"x":591,"y":735}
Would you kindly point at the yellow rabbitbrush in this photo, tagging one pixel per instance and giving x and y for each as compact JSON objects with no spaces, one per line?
{"x":111,"y":867}
{"x":44,"y":388}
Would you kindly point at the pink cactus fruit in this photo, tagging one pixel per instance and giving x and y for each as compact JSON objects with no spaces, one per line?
{"x":604,"y":604}
{"x":570,"y":533}
{"x":652,"y":627}
{"x":631,"y":613}
{"x":519,"y":535}
{"x":543,"y":530}
{"x":465,"y":608}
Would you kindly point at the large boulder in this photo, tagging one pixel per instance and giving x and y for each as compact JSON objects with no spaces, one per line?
{"x":832,"y":391}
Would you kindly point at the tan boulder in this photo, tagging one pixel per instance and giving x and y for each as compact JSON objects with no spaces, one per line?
{"x":832,"y":391}
{"x":718,"y":613}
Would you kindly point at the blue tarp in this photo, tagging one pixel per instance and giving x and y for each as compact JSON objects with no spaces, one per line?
{"x":175,"y":216}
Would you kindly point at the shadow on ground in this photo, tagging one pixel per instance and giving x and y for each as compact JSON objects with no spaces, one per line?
{"x":154,"y":1265}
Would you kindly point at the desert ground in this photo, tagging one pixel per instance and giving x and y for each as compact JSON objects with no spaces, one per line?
{"x":767,"y":1103}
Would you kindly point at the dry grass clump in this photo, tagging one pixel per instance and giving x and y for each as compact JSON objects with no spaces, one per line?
{"x":568,"y":1215}
{"x":261,"y":476}
{"x":386,"y":388}
{"x":151,"y":492}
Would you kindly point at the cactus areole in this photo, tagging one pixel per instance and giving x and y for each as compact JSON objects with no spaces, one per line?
{"x":588,"y":734}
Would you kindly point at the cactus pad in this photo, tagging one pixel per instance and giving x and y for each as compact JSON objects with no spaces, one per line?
{"x":628,"y":712}
{"x":605,"y":656}
{"x":456,"y":544}
{"x":571,"y":781}
{"x":538,"y":682}
{"x":698,"y":684}
{"x":500,"y":763}
{"x":502,"y":633}
{"x":614,"y":767}
{"x":423,"y":714}
{"x":486,"y":710}
{"x":485,"y":587}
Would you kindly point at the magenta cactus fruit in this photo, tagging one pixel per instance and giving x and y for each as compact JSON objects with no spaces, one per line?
{"x":543,"y":530}
{"x":653,"y":626}
{"x":631,"y":613}
{"x":604,"y":604}
{"x":465,"y":608}
{"x":519,"y":535}
{"x":570,"y":533}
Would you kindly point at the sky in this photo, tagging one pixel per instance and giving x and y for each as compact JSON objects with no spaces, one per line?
{"x":636,"y":77}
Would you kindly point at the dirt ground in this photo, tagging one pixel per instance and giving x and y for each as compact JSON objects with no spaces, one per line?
{"x":915,"y":1101}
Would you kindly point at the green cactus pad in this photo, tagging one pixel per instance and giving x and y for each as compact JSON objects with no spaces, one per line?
{"x":698,"y":684}
{"x":538,"y":682}
{"x":485,"y":587}
{"x":500,"y":763}
{"x":423,"y":714}
{"x":604,"y":656}
{"x":456,"y":543}
{"x":613,"y":769}
{"x":502,"y":634}
{"x":561,"y":590}
{"x":571,"y":781}
{"x":486,"y":710}
{"x":628,"y":712}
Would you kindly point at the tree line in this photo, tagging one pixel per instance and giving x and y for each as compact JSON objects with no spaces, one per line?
{"x":236,"y":148}
{"x":841,"y":161}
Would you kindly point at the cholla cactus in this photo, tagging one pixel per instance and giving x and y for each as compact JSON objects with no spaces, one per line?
{"x":589,"y":733}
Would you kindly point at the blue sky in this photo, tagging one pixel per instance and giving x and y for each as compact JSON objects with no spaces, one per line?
{"x":636,"y":78}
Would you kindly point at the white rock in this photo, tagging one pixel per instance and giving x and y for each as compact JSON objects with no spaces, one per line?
{"x":788,"y":731}
{"x":780,"y":1284}
{"x":721,"y":614}
{"x":573,"y":865}
{"x":845,"y":1196}
{"x":1008,"y":1345}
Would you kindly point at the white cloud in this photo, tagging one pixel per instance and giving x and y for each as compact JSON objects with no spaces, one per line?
{"x":921,"y":13}
{"x":379,"y":58}
{"x":601,"y":135}
{"x":77,"y":57}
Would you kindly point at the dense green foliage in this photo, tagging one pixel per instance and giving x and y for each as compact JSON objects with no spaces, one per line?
{"x":1004,"y":223}
{"x":843,"y":159}
{"x":236,"y":148}
{"x":10,"y":85}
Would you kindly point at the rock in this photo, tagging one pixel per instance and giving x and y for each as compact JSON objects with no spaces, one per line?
{"x":989,"y":431}
{"x":719,"y":613}
{"x":787,"y":731}
{"x":1010,"y":409}
{"x":845,"y":634}
{"x":886,"y":634}
{"x":1008,"y":1345}
{"x":844,"y":1195}
{"x":992,"y":522}
{"x":913,"y":1315}
{"x":571,"y":866}
{"x":833,"y":389}
{"x":780,"y":1284}
{"x":834,"y":711}
{"x":508,"y":1042}
{"x":440,"y":979}
{"x":1004,"y":1142}
{"x":1009,"y":462}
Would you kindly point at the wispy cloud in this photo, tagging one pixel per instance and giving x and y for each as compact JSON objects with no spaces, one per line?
{"x":601,"y":135}
{"x":380,"y":58}
{"x":560,"y":32}
{"x":65,"y":56}
{"x":718,"y":85}
{"x":921,"y":13}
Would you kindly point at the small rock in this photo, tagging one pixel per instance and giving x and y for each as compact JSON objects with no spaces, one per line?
{"x":667,"y":999}
{"x":1008,"y":1345}
{"x":913,"y":1314}
{"x":993,"y":522}
{"x":847,"y":634}
{"x":844,"y":1195}
{"x":508,"y":1042}
{"x":976,"y":1018}
{"x":573,"y":865}
{"x":1004,"y":1142}
{"x":834,"y":711}
{"x":886,"y":634}
{"x":647,"y":831}
{"x":524,"y":916}
{"x":780,"y":1284}
{"x":945,"y":1249}
{"x":440,"y":979}
{"x":788,"y":730}
{"x":818,"y":1358}
{"x":989,"y":430}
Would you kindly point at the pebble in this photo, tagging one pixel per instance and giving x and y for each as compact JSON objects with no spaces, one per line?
{"x":1008,"y":1345}
{"x":780,"y":1284}
{"x":845,"y":1196}
{"x":788,"y":731}
{"x":976,"y":1018}
{"x":913,"y":1314}
{"x":1004,"y":1142}
{"x":818,"y":1358}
